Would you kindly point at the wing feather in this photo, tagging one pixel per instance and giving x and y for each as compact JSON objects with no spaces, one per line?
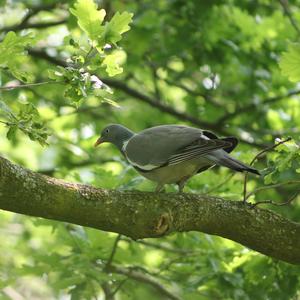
{"x":168,"y":145}
{"x":198,"y":148}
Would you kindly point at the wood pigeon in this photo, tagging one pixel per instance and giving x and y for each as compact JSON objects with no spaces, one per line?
{"x":172,"y":153}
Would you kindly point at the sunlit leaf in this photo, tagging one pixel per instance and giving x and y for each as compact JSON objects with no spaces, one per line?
{"x":290,"y":62}
{"x":116,"y":27}
{"x":12,"y":49}
{"x":89,"y":18}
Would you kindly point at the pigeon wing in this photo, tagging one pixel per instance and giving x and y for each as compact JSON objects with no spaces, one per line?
{"x":168,"y":144}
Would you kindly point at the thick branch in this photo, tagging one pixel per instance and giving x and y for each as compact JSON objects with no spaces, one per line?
{"x":140,"y":215}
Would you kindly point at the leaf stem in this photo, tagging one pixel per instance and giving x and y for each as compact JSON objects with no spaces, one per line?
{"x":5,"y":123}
{"x":12,"y":87}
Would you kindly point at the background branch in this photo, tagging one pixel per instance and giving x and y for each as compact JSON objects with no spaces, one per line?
{"x":119,"y":85}
{"x":33,"y":11}
{"x":249,"y":107}
{"x":145,"y":278}
{"x":287,"y":11}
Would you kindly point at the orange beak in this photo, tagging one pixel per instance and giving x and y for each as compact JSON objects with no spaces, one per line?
{"x":98,"y":142}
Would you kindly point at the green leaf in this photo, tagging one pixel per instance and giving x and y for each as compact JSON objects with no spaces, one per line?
{"x":57,"y":74}
{"x":11,"y":133}
{"x":12,"y":50}
{"x":89,"y":18}
{"x":116,"y":26}
{"x":113,"y":61}
{"x":290,"y":62}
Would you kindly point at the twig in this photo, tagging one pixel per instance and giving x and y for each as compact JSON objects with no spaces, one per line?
{"x":113,"y":252}
{"x":272,"y":186}
{"x":89,"y":54}
{"x":213,"y":78}
{"x":274,"y":203}
{"x":141,"y":277}
{"x":166,"y":266}
{"x":155,"y":78}
{"x":258,"y":156}
{"x":214,"y":188}
{"x":107,"y":291}
{"x":246,"y":108}
{"x":159,"y":246}
{"x":286,"y":9}
{"x":208,"y":98}
{"x":19,"y":86}
{"x":5,"y":123}
{"x":121,"y":283}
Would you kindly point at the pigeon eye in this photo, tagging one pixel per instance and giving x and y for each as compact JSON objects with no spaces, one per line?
{"x":106,"y":131}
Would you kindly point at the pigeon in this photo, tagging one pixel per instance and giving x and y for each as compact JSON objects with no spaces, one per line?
{"x":172,"y":154}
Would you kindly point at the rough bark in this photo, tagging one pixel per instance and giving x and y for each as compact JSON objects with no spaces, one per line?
{"x":141,"y":215}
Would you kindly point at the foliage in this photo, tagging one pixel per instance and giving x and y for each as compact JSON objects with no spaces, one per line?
{"x":290,"y":62}
{"x":229,"y":66}
{"x":12,"y":50}
{"x":27,"y":120}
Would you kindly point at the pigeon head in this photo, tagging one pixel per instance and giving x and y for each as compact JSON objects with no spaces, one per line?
{"x":115,"y":134}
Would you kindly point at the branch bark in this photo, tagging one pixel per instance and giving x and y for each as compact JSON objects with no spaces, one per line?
{"x":141,"y":215}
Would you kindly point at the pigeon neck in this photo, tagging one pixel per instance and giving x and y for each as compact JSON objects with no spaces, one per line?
{"x":123,"y":138}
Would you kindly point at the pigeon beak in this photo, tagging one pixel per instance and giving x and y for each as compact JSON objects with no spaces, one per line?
{"x":98,"y":142}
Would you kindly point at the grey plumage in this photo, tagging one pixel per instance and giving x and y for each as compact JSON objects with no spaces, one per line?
{"x":172,"y":153}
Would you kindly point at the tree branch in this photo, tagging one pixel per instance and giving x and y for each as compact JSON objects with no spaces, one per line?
{"x":25,"y":85}
{"x":149,"y":100}
{"x":145,"y":278}
{"x":161,"y":246}
{"x":287,"y":11}
{"x":271,"y":186}
{"x":39,"y":53}
{"x":140,"y":214}
{"x":33,"y":11}
{"x":161,"y":106}
{"x":107,"y":291}
{"x":172,"y":111}
{"x":34,"y":25}
{"x":289,"y":201}
{"x":249,"y":107}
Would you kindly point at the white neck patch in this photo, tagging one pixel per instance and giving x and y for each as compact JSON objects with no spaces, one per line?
{"x":125,"y":145}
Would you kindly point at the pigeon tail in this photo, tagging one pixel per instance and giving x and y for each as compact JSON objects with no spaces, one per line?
{"x":234,"y":164}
